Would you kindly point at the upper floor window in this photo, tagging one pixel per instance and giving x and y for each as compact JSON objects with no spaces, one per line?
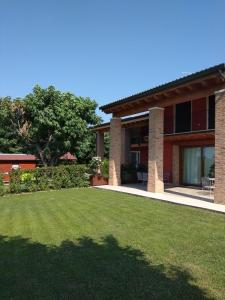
{"x":189,"y":116}
{"x":183,"y":117}
{"x":211,"y":112}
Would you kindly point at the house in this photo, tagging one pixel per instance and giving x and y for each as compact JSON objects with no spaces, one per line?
{"x":177,"y":130}
{"x":10,"y":161}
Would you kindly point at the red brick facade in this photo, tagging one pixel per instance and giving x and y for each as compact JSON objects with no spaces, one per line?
{"x":198,"y":123}
{"x":181,"y":145}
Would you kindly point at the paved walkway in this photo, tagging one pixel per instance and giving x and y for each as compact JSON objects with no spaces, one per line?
{"x":168,"y":196}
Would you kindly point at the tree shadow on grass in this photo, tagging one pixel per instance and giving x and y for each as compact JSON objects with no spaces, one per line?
{"x":85,"y":269}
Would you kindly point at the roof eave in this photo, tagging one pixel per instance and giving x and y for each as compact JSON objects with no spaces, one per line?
{"x":198,"y":75}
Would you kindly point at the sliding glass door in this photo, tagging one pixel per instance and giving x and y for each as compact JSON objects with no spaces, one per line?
{"x":209,"y":161}
{"x":198,"y":162}
{"x":192,"y":166}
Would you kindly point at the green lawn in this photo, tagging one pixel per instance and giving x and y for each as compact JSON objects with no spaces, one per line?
{"x":95,"y":244}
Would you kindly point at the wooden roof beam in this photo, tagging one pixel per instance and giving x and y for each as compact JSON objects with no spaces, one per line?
{"x":187,"y":96}
{"x":177,"y":91}
{"x":205,"y":83}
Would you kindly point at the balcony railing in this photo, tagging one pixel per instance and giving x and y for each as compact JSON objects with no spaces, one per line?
{"x":143,"y":140}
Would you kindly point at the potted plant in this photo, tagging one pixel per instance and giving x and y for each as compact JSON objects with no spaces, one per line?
{"x":99,"y":170}
{"x":212,"y":171}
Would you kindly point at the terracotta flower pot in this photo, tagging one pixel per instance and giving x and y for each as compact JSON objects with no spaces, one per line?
{"x":97,"y":179}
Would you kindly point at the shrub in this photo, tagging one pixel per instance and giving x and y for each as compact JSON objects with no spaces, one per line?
{"x":3,"y":188}
{"x":1,"y":180}
{"x":46,"y":178}
{"x":2,"y":191}
{"x":212,"y":171}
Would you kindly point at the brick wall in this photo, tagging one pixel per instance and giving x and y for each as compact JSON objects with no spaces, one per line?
{"x":219,"y":195}
{"x":155,"y":147}
{"x":115,"y":152}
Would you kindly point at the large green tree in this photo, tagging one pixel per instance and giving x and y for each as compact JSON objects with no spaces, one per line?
{"x":54,"y":123}
{"x":10,"y":118}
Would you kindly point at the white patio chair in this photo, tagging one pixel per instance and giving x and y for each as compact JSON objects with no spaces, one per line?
{"x":139,"y":176}
{"x":208,"y":184}
{"x":145,"y":177}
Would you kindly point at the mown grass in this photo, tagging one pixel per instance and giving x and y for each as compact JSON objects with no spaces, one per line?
{"x":95,"y":244}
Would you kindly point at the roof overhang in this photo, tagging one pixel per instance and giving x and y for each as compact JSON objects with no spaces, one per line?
{"x":126,"y":122}
{"x":194,"y":86}
{"x":17,"y":157}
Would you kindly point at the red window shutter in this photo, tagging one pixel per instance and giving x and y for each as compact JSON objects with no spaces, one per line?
{"x":168,"y":119}
{"x":199,"y":114}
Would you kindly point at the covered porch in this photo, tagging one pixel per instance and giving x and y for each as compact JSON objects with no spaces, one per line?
{"x":189,"y":112}
{"x":164,"y":165}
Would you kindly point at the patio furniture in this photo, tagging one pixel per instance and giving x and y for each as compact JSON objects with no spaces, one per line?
{"x":140,"y":176}
{"x":145,"y":177}
{"x":166,"y":177}
{"x":208,"y":184}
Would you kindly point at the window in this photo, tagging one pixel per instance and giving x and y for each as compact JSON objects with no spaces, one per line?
{"x":198,"y":162}
{"x":135,"y":158}
{"x":183,"y":117}
{"x":192,"y":165}
{"x":209,"y":161}
{"x":211,"y":112}
{"x":15,"y":167}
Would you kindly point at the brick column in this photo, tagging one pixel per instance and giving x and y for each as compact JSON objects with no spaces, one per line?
{"x":125,"y":145}
{"x":176,"y":165}
{"x":219,"y":194}
{"x":155,"y":150}
{"x":100,"y":144}
{"x":115,"y":152}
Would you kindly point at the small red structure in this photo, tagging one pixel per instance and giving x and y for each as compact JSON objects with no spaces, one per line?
{"x":68,"y":156}
{"x":9,"y":162}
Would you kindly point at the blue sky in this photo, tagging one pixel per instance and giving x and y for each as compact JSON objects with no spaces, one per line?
{"x":106,"y":49}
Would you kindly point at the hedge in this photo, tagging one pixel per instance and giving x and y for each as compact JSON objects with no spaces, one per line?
{"x":2,"y":188}
{"x":47,"y":178}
